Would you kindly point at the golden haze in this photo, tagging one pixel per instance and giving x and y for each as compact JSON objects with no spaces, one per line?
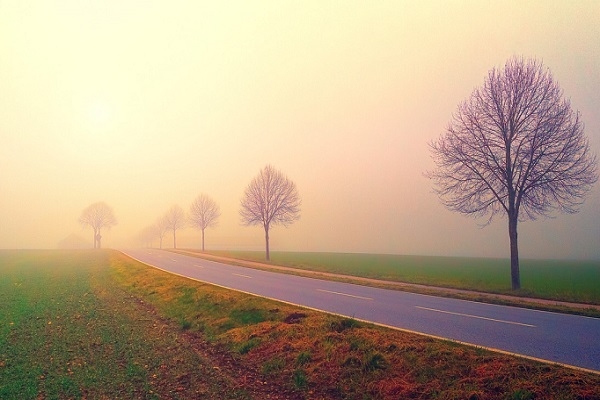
{"x":148,"y":104}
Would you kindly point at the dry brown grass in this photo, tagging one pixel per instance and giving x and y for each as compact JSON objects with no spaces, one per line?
{"x":306,"y":354}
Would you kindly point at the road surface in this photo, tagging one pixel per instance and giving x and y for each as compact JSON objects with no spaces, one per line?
{"x":561,"y":338}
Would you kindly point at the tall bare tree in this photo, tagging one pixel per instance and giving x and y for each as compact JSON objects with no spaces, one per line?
{"x":204,"y":213}
{"x":514,"y":148}
{"x":175,"y":219}
{"x":98,"y":216}
{"x":270,"y":199}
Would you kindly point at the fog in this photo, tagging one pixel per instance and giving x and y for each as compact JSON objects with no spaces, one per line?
{"x":147,"y":104}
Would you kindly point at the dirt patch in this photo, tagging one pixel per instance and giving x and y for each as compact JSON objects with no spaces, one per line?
{"x":223,"y":366}
{"x":294,"y":318}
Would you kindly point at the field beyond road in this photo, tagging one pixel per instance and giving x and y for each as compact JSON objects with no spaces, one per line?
{"x":96,"y":324}
{"x":561,"y":280}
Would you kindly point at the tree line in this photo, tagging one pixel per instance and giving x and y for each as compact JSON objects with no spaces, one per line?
{"x":514,"y":148}
{"x":204,"y":213}
{"x":270,"y":199}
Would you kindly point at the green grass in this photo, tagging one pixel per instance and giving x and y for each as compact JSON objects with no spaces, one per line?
{"x":67,"y":331}
{"x":564,"y":280}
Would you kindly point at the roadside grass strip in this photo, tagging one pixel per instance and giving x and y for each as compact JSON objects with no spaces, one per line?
{"x":560,"y":280}
{"x":324,"y":356}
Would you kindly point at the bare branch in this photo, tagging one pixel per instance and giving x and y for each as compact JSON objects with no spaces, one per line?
{"x":270,"y":199}
{"x":175,"y":218}
{"x":204,"y":212}
{"x":515,"y":143}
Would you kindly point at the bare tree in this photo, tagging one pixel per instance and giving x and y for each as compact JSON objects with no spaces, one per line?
{"x":175,"y":219}
{"x":514,"y":148}
{"x":204,"y":213}
{"x":270,"y":199}
{"x":147,"y":235}
{"x":98,"y":216}
{"x":161,"y":226}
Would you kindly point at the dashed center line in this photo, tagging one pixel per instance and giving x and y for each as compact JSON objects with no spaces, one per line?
{"x":244,"y":276}
{"x":476,"y":316}
{"x":198,"y":266}
{"x":345,"y":294}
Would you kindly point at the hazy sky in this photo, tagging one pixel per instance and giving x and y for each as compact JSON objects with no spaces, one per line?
{"x":146,"y":104}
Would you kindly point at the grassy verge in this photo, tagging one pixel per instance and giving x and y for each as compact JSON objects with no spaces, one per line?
{"x":321,"y":356}
{"x":100,"y":325}
{"x":560,"y":280}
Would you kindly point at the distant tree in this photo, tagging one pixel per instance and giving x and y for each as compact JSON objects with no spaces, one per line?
{"x":175,"y":219}
{"x":270,"y":199}
{"x":514,"y":148}
{"x":147,"y":235}
{"x":161,"y":227}
{"x":98,"y":216}
{"x":73,"y":241}
{"x":204,"y":213}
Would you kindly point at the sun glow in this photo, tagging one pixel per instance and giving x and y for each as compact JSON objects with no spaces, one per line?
{"x":99,"y":113}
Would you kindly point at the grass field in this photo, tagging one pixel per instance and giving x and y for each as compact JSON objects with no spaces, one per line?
{"x":68,"y":332}
{"x":564,"y":280}
{"x":98,"y":325}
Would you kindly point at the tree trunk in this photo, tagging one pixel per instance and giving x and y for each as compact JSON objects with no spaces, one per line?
{"x":95,"y":233}
{"x":174,"y":241}
{"x":514,"y":252}
{"x":267,"y":242}
{"x":203,"y":240}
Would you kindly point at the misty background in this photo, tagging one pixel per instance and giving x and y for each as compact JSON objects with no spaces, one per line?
{"x":147,"y":104}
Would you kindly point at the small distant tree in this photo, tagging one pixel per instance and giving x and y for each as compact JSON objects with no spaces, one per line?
{"x":147,"y":236}
{"x":175,"y":219}
{"x":204,"y":213}
{"x":514,"y":148}
{"x":270,"y":199}
{"x":98,"y":216}
{"x":161,"y":227}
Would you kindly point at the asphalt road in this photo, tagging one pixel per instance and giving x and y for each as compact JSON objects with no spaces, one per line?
{"x":560,"y":338}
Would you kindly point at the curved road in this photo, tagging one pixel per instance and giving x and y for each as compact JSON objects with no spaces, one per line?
{"x":560,"y":338}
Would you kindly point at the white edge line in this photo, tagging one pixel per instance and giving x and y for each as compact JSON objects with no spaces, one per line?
{"x":475,"y":316}
{"x":345,"y":294}
{"x":523,"y":356}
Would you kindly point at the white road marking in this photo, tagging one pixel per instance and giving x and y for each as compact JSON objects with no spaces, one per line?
{"x":244,"y":276}
{"x":174,"y":260}
{"x":476,"y":316}
{"x":345,"y":294}
{"x":198,"y":266}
